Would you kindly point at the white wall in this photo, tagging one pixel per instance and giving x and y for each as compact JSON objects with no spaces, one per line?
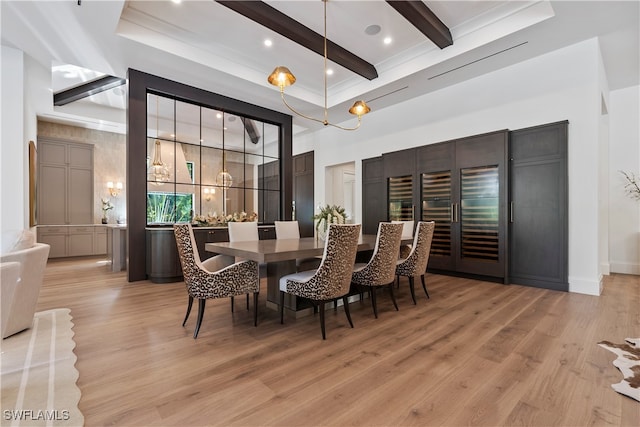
{"x":14,"y":144}
{"x":562,"y":85}
{"x":624,"y":154}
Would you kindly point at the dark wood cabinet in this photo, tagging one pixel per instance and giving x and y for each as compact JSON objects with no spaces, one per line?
{"x":303,"y":188}
{"x":374,"y":195}
{"x":163,"y":262}
{"x":269,"y":197}
{"x":538,"y":237}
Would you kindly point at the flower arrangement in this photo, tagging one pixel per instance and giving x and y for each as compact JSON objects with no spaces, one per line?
{"x":329,"y":215}
{"x":106,"y":207}
{"x":632,"y":187}
{"x":213,"y":219}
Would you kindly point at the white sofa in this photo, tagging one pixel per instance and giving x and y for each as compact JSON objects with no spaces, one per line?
{"x":22,"y":305}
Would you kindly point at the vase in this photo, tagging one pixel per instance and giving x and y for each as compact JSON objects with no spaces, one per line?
{"x":322,"y":234}
{"x":104,"y":220}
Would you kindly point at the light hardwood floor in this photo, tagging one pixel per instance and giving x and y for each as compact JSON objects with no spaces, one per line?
{"x":476,"y":353}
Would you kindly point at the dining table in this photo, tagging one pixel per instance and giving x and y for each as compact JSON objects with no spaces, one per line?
{"x":279,"y":256}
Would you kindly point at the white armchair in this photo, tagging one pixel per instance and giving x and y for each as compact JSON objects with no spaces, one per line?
{"x":25,"y":297}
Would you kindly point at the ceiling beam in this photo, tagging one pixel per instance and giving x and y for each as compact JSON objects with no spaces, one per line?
{"x":252,"y":131}
{"x":424,"y":20}
{"x":87,"y":89}
{"x":282,"y":24}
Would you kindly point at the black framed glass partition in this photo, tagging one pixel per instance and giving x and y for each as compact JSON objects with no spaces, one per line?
{"x":206,"y":162}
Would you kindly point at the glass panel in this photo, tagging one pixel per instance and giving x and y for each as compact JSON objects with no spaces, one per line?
{"x":234,"y":164}
{"x":187,"y":122}
{"x":212,"y":131}
{"x":479,"y":213}
{"x":234,"y":133}
{"x":160,"y":207}
{"x":401,"y":198}
{"x":188,"y":163}
{"x":185,"y":202}
{"x":210,"y":201}
{"x":436,"y":206}
{"x":271,"y":140}
{"x":234,"y":200}
{"x":211,"y":165}
{"x":251,"y":175}
{"x":254,"y":138}
{"x":160,"y":152}
{"x":271,"y":175}
{"x":251,"y":201}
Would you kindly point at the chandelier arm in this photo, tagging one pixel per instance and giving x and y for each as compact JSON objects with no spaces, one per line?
{"x":299,"y":113}
{"x":345,"y":128}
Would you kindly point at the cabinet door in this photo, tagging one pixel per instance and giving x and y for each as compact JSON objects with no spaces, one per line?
{"x":80,"y":200}
{"x":480,"y":209}
{"x":374,"y":195}
{"x":100,"y":241}
{"x":402,"y":192}
{"x":80,"y":244}
{"x":303,"y":188}
{"x":538,"y":238}
{"x":435,"y":164}
{"x":52,"y":194}
{"x":58,"y":243}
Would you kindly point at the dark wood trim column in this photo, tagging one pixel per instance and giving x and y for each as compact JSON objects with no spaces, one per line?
{"x":140,"y":84}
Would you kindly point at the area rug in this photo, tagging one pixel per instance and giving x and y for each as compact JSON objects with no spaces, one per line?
{"x":38,"y":374}
{"x":628,"y":362}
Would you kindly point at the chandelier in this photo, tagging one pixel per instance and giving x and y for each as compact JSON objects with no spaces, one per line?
{"x":282,"y":77}
{"x":157,"y":173}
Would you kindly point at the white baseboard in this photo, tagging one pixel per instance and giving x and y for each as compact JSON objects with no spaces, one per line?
{"x":605,"y":268}
{"x":584,"y":286}
{"x":625,"y":268}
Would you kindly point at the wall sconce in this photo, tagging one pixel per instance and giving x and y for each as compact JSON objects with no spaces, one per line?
{"x":208,"y":193}
{"x":114,"y":190}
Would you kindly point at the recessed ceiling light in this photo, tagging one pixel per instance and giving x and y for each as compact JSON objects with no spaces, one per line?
{"x":268,"y":43}
{"x":177,"y":1}
{"x":387,"y":40}
{"x":372,"y":30}
{"x":219,"y":116}
{"x":329,"y":72}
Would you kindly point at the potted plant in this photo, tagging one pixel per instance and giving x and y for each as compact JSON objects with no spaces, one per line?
{"x":106,"y":207}
{"x":328,"y":215}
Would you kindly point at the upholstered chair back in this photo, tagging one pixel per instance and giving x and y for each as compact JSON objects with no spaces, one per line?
{"x":287,"y":229}
{"x":333,"y":277}
{"x":407,"y":228}
{"x":381,"y":268}
{"x":236,"y":279}
{"x":416,"y":263}
{"x":243,"y":231}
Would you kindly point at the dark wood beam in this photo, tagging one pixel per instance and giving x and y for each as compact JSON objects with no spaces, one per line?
{"x":87,"y":89}
{"x":424,"y":20}
{"x":282,"y":24}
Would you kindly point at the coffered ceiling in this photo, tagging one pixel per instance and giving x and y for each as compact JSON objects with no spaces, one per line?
{"x":207,"y":44}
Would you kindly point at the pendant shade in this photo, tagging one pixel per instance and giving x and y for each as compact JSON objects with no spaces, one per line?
{"x":281,"y":77}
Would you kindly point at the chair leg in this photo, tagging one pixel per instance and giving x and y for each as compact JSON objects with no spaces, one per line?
{"x":413,"y":291}
{"x":281,"y":307}
{"x":345,"y":304}
{"x":424,"y":286}
{"x":247,"y":301}
{"x":335,"y":304}
{"x":188,"y":310}
{"x":398,"y":281}
{"x":393,"y":297}
{"x":255,"y":308}
{"x":372,"y":291}
{"x":201,"y":303}
{"x":324,"y":337}
{"x":232,"y":304}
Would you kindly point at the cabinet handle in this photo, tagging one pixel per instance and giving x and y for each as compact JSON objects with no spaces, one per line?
{"x":453,"y":210}
{"x":511,"y":212}
{"x":457,"y":212}
{"x":413,"y":212}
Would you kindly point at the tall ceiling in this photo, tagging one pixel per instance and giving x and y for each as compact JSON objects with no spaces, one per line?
{"x":206,"y":44}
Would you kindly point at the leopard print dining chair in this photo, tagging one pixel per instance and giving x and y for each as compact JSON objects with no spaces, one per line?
{"x":332,"y":278}
{"x":381,"y":268}
{"x":202,"y":284}
{"x":415,"y":264}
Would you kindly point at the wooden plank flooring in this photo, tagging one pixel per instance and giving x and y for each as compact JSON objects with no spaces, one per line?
{"x":476,"y":353}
